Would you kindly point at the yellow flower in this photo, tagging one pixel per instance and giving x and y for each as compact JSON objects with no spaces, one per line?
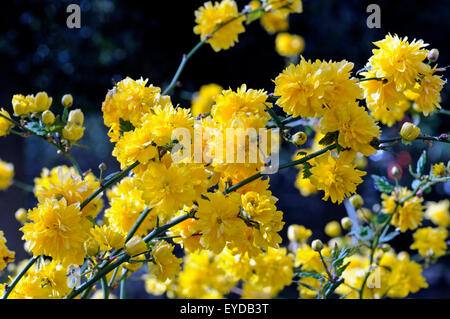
{"x":5,"y":125}
{"x":305,"y":88}
{"x":168,"y":187}
{"x":426,"y":93}
{"x":383,"y":99}
{"x":203,"y":274}
{"x":135,"y":146}
{"x":6,"y":174}
{"x":289,"y":45}
{"x":218,"y":221}
{"x":49,"y":281}
{"x":209,"y":17}
{"x":336,"y":176}
{"x":261,"y":209}
{"x":62,"y":181}
{"x":298,"y":233}
{"x":6,"y":256}
{"x":309,"y":259}
{"x":242,"y":109}
{"x":292,"y":5}
{"x":56,"y":229}
{"x":408,"y":215}
{"x":272,"y":270}
{"x":166,"y":265}
{"x":398,"y":60}
{"x":23,"y":105}
{"x":275,"y":21}
{"x":73,"y":132}
{"x":304,"y":185}
{"x":43,"y":102}
{"x":439,"y":169}
{"x":128,"y":102}
{"x":405,"y":276}
{"x":355,"y":126}
{"x":164,"y":119}
{"x":189,"y":239}
{"x":438,"y":212}
{"x":126,"y":205}
{"x":203,"y":100}
{"x":108,"y":238}
{"x":430,"y":242}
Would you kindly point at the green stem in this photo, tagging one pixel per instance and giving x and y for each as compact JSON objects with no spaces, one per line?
{"x":108,"y":183}
{"x":123,"y":285}
{"x":18,"y":277}
{"x":138,"y":222}
{"x":186,"y":57}
{"x":105,"y":288}
{"x":23,"y":186}
{"x":286,"y":165}
{"x":74,"y":164}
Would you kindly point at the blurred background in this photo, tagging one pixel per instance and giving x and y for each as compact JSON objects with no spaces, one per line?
{"x":38,"y":52}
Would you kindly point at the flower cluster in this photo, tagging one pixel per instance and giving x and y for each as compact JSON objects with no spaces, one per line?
{"x":191,"y":201}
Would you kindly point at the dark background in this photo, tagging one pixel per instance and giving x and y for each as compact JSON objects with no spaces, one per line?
{"x":147,"y":38}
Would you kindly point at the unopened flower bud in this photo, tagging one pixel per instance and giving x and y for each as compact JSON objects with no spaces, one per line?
{"x":67,"y":100}
{"x":102,"y":166}
{"x":385,"y":247}
{"x":346,"y":223}
{"x":317,"y":245}
{"x":92,"y":247}
{"x":21,"y":215}
{"x":357,"y":201}
{"x":333,"y":229}
{"x":48,"y":118}
{"x":299,"y":138}
{"x":409,"y":131}
{"x":135,"y":246}
{"x":43,"y":102}
{"x":395,"y":171}
{"x":76,"y":116}
{"x":433,"y":55}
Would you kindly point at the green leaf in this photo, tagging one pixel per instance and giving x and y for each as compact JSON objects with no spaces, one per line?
{"x":389,"y":237}
{"x":421,"y":163}
{"x":340,"y":270}
{"x":382,"y":184}
{"x":307,"y":170}
{"x":310,"y":274}
{"x":365,"y":233}
{"x":36,"y":128}
{"x":382,"y":218}
{"x":125,"y":126}
{"x":329,"y":138}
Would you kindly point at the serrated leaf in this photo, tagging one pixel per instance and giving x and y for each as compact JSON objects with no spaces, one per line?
{"x":307,"y":170}
{"x":382,"y":184}
{"x":36,"y":128}
{"x":329,"y":138}
{"x":389,"y":237}
{"x":421,"y":163}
